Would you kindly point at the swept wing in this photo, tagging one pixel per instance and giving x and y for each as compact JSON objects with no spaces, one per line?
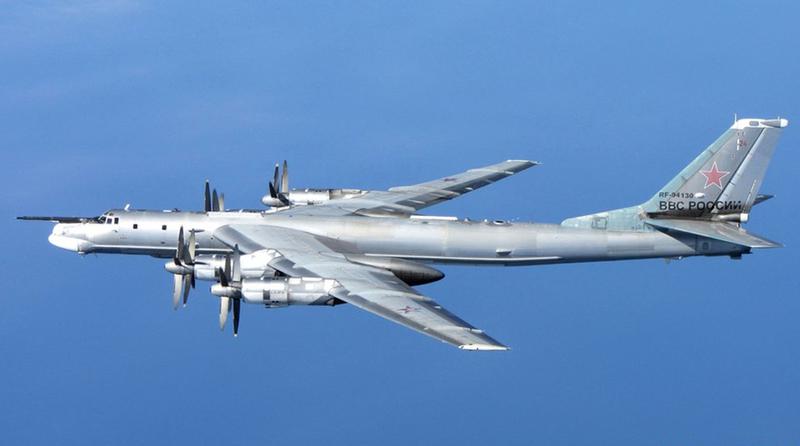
{"x":406,"y":200}
{"x":372,"y":289}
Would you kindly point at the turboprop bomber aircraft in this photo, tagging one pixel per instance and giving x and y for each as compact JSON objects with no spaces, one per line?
{"x":370,"y":248}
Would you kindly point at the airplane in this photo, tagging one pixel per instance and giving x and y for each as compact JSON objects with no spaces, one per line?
{"x":370,"y":248}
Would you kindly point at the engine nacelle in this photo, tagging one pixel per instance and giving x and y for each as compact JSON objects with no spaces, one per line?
{"x":282,"y":292}
{"x":268,"y":200}
{"x":309,"y":196}
{"x":303,"y":197}
{"x":254,"y":265}
{"x":299,"y":197}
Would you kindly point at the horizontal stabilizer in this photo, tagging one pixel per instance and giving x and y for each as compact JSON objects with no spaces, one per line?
{"x":760,"y":198}
{"x":717,"y":230}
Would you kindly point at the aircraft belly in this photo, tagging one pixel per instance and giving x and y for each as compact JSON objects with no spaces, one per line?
{"x":523,"y":244}
{"x":497,"y":243}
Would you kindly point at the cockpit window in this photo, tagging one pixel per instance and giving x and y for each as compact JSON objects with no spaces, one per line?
{"x":106,"y":218}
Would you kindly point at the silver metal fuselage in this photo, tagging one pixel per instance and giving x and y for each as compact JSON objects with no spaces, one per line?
{"x":430,"y":240}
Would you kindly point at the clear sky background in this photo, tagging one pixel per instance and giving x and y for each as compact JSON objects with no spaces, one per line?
{"x":104,"y":103}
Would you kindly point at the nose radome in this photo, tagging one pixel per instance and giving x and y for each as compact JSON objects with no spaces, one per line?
{"x":59,"y":229}
{"x":64,"y":238}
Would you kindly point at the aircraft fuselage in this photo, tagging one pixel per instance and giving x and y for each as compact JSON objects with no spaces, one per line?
{"x":427,"y":239}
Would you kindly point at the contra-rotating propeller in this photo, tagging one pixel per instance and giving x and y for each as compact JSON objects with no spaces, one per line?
{"x":182,"y":268}
{"x":229,"y":290}
{"x":278,"y":194}
{"x":213,"y":202}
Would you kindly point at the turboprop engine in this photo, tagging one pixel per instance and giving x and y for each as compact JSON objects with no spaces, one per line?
{"x":234,"y":287}
{"x":279,"y":195}
{"x":285,"y":291}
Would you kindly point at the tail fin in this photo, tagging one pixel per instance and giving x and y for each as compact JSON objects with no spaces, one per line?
{"x":722,"y":182}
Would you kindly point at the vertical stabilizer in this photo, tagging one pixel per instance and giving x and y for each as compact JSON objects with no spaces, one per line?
{"x":722,"y":183}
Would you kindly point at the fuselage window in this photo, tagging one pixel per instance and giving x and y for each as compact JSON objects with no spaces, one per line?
{"x":116,"y":220}
{"x":163,"y":227}
{"x":135,"y":226}
{"x":108,"y":221}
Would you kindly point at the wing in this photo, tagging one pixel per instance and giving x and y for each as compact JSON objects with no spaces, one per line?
{"x":406,"y":200}
{"x":372,"y":289}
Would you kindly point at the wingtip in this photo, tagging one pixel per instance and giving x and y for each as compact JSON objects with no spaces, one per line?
{"x":483,"y":347}
{"x":528,"y":162}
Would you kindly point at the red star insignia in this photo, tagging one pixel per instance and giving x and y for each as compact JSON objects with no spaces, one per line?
{"x":407,"y":309}
{"x":714,"y":176}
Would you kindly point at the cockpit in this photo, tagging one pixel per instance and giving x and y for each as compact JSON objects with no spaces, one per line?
{"x":107,"y":218}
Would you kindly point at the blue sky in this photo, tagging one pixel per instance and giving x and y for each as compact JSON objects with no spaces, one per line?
{"x":104,"y":103}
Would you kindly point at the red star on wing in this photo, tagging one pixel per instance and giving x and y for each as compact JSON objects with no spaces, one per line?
{"x":714,"y":176}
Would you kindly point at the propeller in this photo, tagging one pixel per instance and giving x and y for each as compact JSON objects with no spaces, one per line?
{"x":213,"y":202}
{"x":229,"y":290}
{"x":182,"y":268}
{"x":278,"y":187}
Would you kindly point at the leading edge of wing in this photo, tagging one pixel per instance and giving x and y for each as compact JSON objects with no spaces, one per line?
{"x":484,"y":175}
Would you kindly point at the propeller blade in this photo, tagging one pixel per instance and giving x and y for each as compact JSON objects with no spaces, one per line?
{"x":236,"y":273}
{"x":187,"y":283}
{"x":191,"y":247}
{"x":214,"y":201}
{"x":207,"y":197}
{"x":237,"y":305}
{"x":221,"y":203}
{"x":227,"y":268}
{"x":223,"y":279}
{"x":179,"y":254}
{"x":176,"y":290}
{"x":274,"y":183}
{"x":285,"y":178}
{"x":224,"y":309}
